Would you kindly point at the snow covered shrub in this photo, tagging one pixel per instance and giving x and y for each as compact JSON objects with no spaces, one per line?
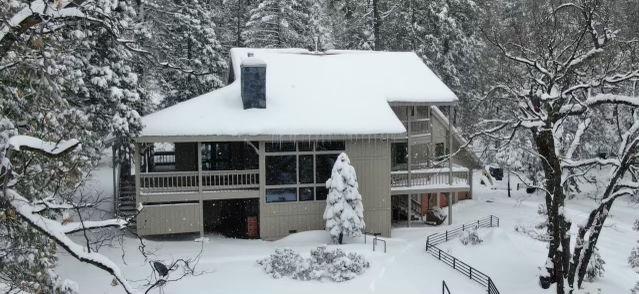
{"x":344,"y":213}
{"x":595,"y":267}
{"x":284,"y":262}
{"x":338,"y":266}
{"x":470,"y":237}
{"x":334,"y":265}
{"x":633,"y":259}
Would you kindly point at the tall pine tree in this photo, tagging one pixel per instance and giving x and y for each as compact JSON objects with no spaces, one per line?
{"x":279,"y":24}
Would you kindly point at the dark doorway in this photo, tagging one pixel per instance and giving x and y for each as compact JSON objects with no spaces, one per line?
{"x":234,"y":218}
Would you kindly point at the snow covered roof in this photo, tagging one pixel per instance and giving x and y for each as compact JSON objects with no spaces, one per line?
{"x":309,"y":94}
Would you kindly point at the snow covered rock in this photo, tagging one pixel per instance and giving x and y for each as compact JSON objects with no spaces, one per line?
{"x":470,"y":237}
{"x":324,"y":264}
{"x":344,"y":213}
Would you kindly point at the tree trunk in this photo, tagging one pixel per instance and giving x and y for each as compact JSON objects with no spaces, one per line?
{"x":558,"y":226}
{"x":377,"y":23}
{"x":341,"y":237}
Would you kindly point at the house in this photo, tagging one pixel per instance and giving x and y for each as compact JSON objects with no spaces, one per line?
{"x":251,"y":159}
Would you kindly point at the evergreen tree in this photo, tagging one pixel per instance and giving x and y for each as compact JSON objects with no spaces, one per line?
{"x":344,"y":213}
{"x":279,"y":24}
{"x":182,"y":33}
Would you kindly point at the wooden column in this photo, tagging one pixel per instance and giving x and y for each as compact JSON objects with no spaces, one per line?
{"x":450,"y":163}
{"x":136,"y":164}
{"x":409,"y":151}
{"x":116,"y":181}
{"x":200,"y":187}
{"x":409,"y":206}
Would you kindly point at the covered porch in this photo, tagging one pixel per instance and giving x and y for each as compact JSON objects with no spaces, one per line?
{"x":175,"y":182}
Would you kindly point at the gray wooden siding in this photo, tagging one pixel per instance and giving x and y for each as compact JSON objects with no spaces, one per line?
{"x":169,"y":219}
{"x":371,"y":159}
{"x":372,"y":163}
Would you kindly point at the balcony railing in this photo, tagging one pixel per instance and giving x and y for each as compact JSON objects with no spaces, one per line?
{"x":189,"y":181}
{"x":429,"y":177}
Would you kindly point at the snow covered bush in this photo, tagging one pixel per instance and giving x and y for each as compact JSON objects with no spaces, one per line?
{"x":334,"y":265}
{"x":284,"y":262}
{"x":595,"y":267}
{"x":344,"y":213}
{"x":470,"y":237}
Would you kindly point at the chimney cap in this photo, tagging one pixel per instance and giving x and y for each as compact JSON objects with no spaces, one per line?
{"x":252,"y":61}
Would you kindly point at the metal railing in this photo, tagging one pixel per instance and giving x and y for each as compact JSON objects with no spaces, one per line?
{"x":189,"y":181}
{"x":472,"y":273}
{"x":428,"y":177}
{"x":438,"y":238}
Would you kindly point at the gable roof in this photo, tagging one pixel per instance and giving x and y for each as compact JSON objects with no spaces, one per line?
{"x":309,"y":94}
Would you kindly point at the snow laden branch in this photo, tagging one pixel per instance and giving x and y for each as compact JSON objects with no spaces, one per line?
{"x":58,"y":233}
{"x":600,"y":99}
{"x":30,"y":211}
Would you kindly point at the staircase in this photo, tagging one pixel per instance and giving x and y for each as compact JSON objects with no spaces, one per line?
{"x":125,"y":205}
{"x":400,"y":204}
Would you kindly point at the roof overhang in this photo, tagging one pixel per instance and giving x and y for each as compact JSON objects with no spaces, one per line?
{"x":268,"y":138}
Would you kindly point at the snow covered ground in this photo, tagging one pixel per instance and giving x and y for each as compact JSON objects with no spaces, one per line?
{"x":510,"y":258}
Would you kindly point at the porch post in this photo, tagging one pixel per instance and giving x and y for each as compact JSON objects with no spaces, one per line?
{"x":409,"y":151}
{"x":116,"y":181}
{"x":200,"y":189}
{"x":410,"y":209}
{"x":136,"y":163}
{"x":450,"y":162}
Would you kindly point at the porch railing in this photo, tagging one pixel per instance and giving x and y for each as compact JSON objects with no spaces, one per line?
{"x":428,"y":177}
{"x":188,"y":181}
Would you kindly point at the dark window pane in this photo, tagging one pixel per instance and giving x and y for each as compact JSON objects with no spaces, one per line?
{"x":280,"y":147}
{"x":324,"y":165}
{"x":306,"y":194}
{"x":305,"y":146}
{"x":330,"y":145}
{"x":281,"y":170}
{"x":306,"y":169}
{"x":322,"y":192}
{"x":229,"y":156}
{"x":399,"y":153}
{"x":281,"y":195}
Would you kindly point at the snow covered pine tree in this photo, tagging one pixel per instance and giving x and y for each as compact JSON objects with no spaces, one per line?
{"x":344,"y":214}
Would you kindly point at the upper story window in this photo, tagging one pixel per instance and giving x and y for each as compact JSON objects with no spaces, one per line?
{"x":297,"y":171}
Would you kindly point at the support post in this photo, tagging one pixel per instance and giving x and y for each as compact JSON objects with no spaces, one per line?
{"x":136,"y":163}
{"x":200,"y":187}
{"x":409,"y":152}
{"x":450,"y":163}
{"x":410,"y":209}
{"x":116,"y":182}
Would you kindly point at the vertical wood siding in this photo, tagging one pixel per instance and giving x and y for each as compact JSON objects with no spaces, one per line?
{"x":371,"y":159}
{"x":169,"y":219}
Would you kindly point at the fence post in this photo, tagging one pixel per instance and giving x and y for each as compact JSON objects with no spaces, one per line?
{"x":490,"y":285}
{"x":463,"y":227}
{"x":446,"y":236}
{"x":470,"y":273}
{"x":491,"y":220}
{"x":454,"y":259}
{"x":439,"y":254}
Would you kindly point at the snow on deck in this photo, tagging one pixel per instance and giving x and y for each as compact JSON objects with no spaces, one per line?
{"x":331,"y":93}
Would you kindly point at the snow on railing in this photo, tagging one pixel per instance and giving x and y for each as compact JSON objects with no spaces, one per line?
{"x":428,"y":177}
{"x":472,"y":273}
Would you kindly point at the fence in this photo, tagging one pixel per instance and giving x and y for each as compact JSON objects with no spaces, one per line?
{"x":445,"y":289}
{"x":434,"y":239}
{"x":438,"y":238}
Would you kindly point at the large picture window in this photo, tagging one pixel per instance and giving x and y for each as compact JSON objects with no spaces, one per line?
{"x":298,"y":171}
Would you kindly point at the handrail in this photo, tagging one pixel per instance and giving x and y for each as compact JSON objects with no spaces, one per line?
{"x":191,"y":181}
{"x":434,"y":239}
{"x":445,"y":289}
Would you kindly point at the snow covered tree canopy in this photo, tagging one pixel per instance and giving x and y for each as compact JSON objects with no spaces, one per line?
{"x":344,"y":213}
{"x":565,"y":98}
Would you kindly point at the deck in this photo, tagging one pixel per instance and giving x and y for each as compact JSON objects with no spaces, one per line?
{"x":430,"y":180}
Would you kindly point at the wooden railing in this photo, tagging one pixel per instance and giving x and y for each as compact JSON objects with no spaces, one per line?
{"x":428,"y":177}
{"x":472,"y":273}
{"x":188,"y":181}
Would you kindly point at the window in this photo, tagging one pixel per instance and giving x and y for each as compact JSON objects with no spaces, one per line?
{"x":298,"y":171}
{"x":440,"y":150}
{"x":281,"y":195}
{"x":281,"y":170}
{"x":399,"y":153}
